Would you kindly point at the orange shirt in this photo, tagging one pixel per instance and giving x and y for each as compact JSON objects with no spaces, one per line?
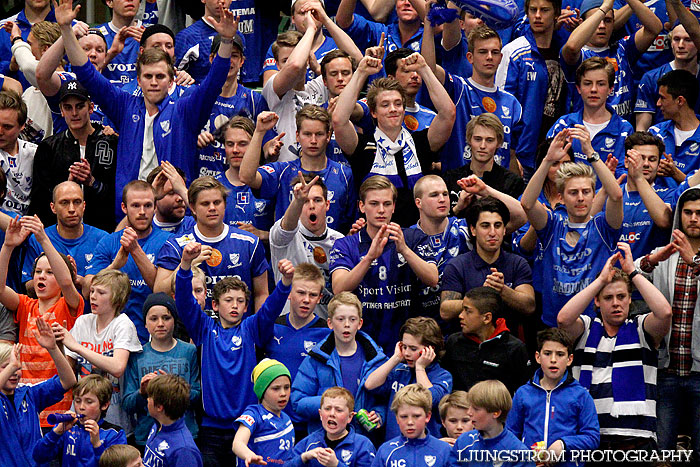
{"x":37,"y":365}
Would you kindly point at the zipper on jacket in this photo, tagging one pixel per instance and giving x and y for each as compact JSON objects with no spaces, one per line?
{"x":546,"y":419}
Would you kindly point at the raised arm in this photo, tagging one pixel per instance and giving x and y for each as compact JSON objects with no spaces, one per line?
{"x":65,"y":14}
{"x":341,"y":38}
{"x":344,"y":16}
{"x":11,"y":84}
{"x":571,"y":52}
{"x":427,"y":49}
{"x":47,"y":79}
{"x":45,"y":337}
{"x":295,"y":69}
{"x":536,"y":212}
{"x":660,"y":212}
{"x":475,"y":186}
{"x":441,"y":127}
{"x":290,"y":220}
{"x":248,"y":172}
{"x":378,"y":376}
{"x":452,"y":31}
{"x":651,"y":25}
{"x":58,"y":266}
{"x":687,"y":19}
{"x":14,"y":236}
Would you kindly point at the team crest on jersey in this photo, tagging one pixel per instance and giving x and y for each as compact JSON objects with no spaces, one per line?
{"x":185,"y":239}
{"x":430,"y":460}
{"x":345,"y":454}
{"x":454,"y":251}
{"x":506,"y":111}
{"x":267,"y":416}
{"x":234,"y":259}
{"x":693,"y":147}
{"x":402,"y":260}
{"x":163,"y":446}
{"x":88,"y":257}
{"x":151,"y":257}
{"x":135,"y":118}
{"x":236,"y":341}
{"x":609,"y":142}
{"x":260,"y":206}
{"x":243,"y":197}
{"x":330,"y":195}
{"x":308,"y":345}
{"x":165,"y":125}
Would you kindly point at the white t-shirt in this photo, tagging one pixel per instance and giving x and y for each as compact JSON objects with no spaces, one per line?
{"x":301,"y":246}
{"x":120,"y":333}
{"x":595,"y":128}
{"x":149,"y":161}
{"x":315,"y":92}
{"x":18,"y":170}
{"x":681,"y":136}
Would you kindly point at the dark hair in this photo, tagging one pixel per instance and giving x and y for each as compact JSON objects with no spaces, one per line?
{"x":644,"y":138}
{"x":391,"y":62}
{"x":65,"y":259}
{"x":332,"y":55}
{"x":227,"y":284}
{"x":688,"y":195}
{"x":172,"y":392}
{"x":486,"y":300}
{"x":556,"y":4}
{"x":681,"y":83}
{"x":487,"y":204}
{"x":555,"y":335}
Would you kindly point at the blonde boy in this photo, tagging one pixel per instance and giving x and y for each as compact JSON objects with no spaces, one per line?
{"x":121,"y":455}
{"x":346,"y":357}
{"x":412,"y":407}
{"x":454,"y":413}
{"x":337,"y":441}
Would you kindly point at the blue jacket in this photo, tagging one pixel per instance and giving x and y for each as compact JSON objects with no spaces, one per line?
{"x":321,"y":370}
{"x":472,"y":443}
{"x":400,"y":451}
{"x":353,"y":451}
{"x":567,"y":412}
{"x":403,"y":375}
{"x":686,"y":155}
{"x":175,"y":127}
{"x":171,"y":446}
{"x":74,"y":447}
{"x":523,"y":73}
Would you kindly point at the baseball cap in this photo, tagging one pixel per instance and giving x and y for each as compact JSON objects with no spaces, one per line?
{"x":75,"y":89}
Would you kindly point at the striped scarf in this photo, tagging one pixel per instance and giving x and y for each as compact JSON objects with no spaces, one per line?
{"x":385,"y":159}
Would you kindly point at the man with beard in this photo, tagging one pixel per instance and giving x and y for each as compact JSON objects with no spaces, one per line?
{"x":171,"y":198}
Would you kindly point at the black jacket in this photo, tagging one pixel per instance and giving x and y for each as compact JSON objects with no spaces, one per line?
{"x":53,"y":158}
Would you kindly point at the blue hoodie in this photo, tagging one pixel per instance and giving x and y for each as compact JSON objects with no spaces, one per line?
{"x":353,"y":451}
{"x":321,"y":370}
{"x":74,"y":447}
{"x":416,"y":452}
{"x":175,"y":127}
{"x":171,"y":446}
{"x":403,"y":375}
{"x":472,"y":443}
{"x":567,"y":413}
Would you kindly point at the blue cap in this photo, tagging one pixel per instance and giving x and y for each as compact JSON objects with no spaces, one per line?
{"x":588,"y":5}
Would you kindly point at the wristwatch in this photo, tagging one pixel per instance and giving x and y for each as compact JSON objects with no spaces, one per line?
{"x":593,"y":157}
{"x":696,"y":259}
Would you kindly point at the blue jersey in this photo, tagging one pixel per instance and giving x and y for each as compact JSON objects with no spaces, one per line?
{"x":149,"y":17}
{"x":271,"y":437}
{"x":472,"y":99}
{"x":367,"y":33}
{"x":561,"y":270}
{"x":193,"y":47}
{"x":277,"y":184}
{"x":440,"y":248}
{"x":385,"y":291}
{"x":638,"y":229}
{"x":19,"y":420}
{"x":685,"y":155}
{"x":81,"y":249}
{"x":228,"y":354}
{"x":455,"y":61}
{"x":327,"y":46}
{"x":236,"y":253}
{"x":175,"y":92}
{"x":171,"y":446}
{"x":253,"y":32}
{"x":122,"y":68}
{"x":176,"y":228}
{"x":246,"y":103}
{"x":623,"y":55}
{"x":472,"y":443}
{"x":352,"y":451}
{"x":421,"y":452}
{"x":610,"y":141}
{"x":648,"y":93}
{"x":243,"y":207}
{"x":59,"y":123}
{"x":107,"y":250}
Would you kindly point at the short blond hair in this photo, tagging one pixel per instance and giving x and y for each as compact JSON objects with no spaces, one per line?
{"x":119,"y":455}
{"x":337,"y":391}
{"x":119,"y":285}
{"x":286,"y":39}
{"x":492,"y":396}
{"x":488,"y":121}
{"x":344,"y":298}
{"x":308,"y":272}
{"x":413,"y":395}
{"x":314,"y":112}
{"x":457,"y":399}
{"x":46,"y":33}
{"x":569,"y":170}
{"x":202,"y":184}
{"x":196,"y":274}
{"x":377,"y":182}
{"x":419,"y":190}
{"x":96,"y":384}
{"x":5,"y":352}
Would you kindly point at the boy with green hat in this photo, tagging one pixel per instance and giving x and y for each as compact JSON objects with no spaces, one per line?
{"x":271,"y":430}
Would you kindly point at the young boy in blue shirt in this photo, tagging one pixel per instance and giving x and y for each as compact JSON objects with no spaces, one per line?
{"x":415,"y":446}
{"x":266,"y":433}
{"x":228,"y":348}
{"x":170,"y":443}
{"x":553,"y":409}
{"x":337,"y":442}
{"x":489,"y":405}
{"x":345,"y":358}
{"x":89,"y":436}
{"x":20,"y":405}
{"x":415,"y":360}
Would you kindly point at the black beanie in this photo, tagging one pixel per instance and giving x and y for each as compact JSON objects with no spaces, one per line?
{"x":155,"y":29}
{"x":161,"y":299}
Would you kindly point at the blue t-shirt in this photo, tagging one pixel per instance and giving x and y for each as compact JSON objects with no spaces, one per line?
{"x":243,"y":207}
{"x":177,"y":228}
{"x":106,"y":251}
{"x":561,"y":270}
{"x":122,"y":68}
{"x":171,"y":446}
{"x":245,"y":103}
{"x":236,"y":253}
{"x":455,"y":61}
{"x":271,"y":436}
{"x":351,"y":369}
{"x":367,"y":33}
{"x":642,"y":234}
{"x":472,"y":100}
{"x":277,"y":185}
